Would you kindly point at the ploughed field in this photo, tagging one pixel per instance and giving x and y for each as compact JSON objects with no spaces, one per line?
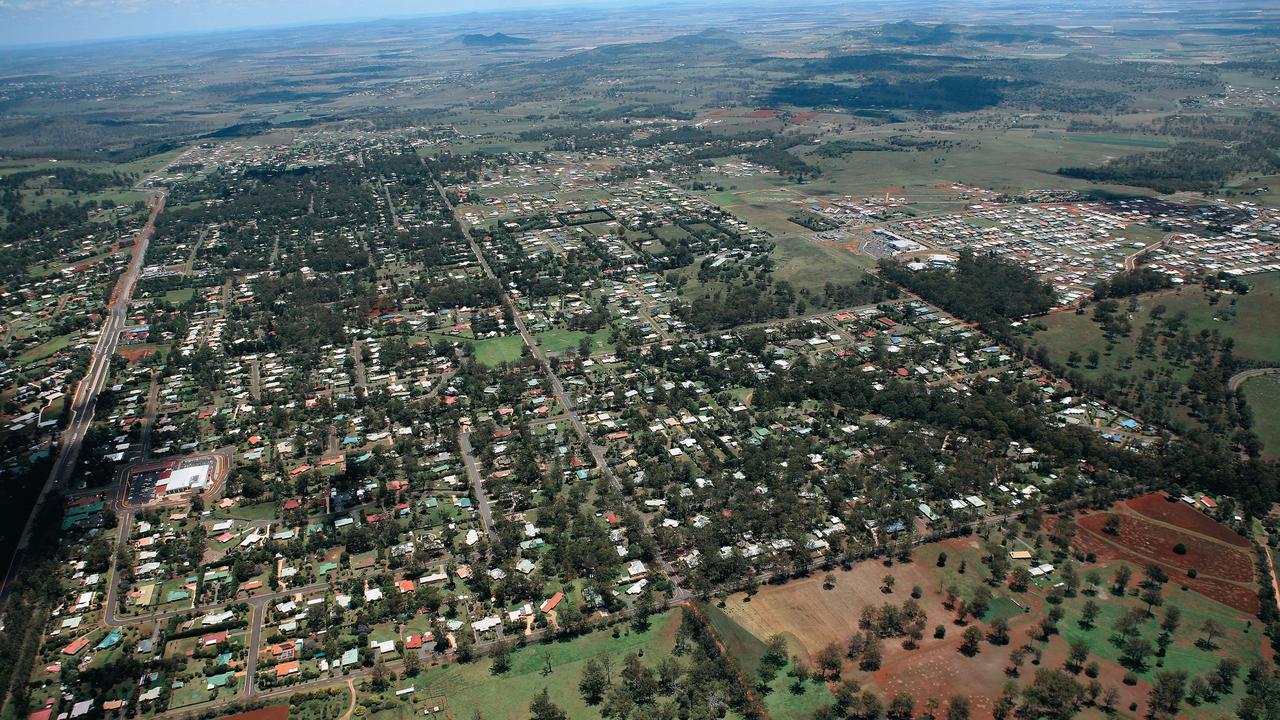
{"x":1150,"y":529}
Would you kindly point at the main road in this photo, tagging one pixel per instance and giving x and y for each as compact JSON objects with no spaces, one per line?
{"x":85,"y":398}
{"x":597,"y":452}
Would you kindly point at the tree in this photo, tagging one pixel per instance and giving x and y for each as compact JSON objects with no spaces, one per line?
{"x":1134,"y":652}
{"x":569,"y":617}
{"x":1167,"y":693}
{"x":998,"y":633}
{"x":902,"y":707}
{"x":829,"y":660}
{"x":1223,"y":678}
{"x":381,"y":675}
{"x":857,"y":643}
{"x":1121,"y":578}
{"x":959,"y":708}
{"x":643,"y":608}
{"x":972,"y":637}
{"x":593,"y":683}
{"x":1089,"y":613}
{"x":1172,"y":618}
{"x":412,"y":662}
{"x":1052,"y":695}
{"x":1078,"y":655}
{"x":1019,"y":579}
{"x":541,"y":708}
{"x":870,"y":706}
{"x":1212,"y":630}
{"x":1152,"y":597}
{"x":871,"y":654}
{"x":886,"y":584}
{"x":501,"y":659}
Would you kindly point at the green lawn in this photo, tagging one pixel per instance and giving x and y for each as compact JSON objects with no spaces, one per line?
{"x":1240,"y":641}
{"x":556,"y":341}
{"x":44,"y":349}
{"x":495,"y":351}
{"x":1263,"y":396}
{"x":466,"y":688}
{"x":783,"y":700}
{"x":248,"y":513}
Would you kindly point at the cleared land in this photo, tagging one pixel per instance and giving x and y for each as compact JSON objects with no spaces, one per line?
{"x":810,"y":615}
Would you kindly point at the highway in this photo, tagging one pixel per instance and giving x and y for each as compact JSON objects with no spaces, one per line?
{"x":85,"y":398}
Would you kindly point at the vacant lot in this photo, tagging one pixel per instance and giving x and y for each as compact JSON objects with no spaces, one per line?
{"x":495,"y":351}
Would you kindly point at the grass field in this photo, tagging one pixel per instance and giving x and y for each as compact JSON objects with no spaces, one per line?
{"x":1263,"y":396}
{"x":1252,"y":320}
{"x":464,"y":689}
{"x":809,"y":264}
{"x":495,"y":351}
{"x":45,"y":349}
{"x":555,"y":341}
{"x":1012,"y":160}
{"x":1120,"y":140}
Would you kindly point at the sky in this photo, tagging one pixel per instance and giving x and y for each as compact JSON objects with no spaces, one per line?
{"x":24,"y":22}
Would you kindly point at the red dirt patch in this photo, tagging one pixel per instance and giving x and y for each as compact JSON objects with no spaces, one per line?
{"x":1157,"y":507}
{"x":1224,"y":574}
{"x":135,"y":355}
{"x":1156,"y":542}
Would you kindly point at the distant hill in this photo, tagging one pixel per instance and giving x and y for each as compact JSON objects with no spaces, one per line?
{"x":711,"y":42}
{"x":495,"y":40}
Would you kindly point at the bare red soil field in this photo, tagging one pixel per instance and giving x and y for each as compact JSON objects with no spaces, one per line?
{"x":1157,"y":507}
{"x":1156,"y":542}
{"x":1225,"y":570}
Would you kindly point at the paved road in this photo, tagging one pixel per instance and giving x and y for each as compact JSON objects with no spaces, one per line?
{"x":1235,"y":380}
{"x":477,"y":485}
{"x":85,"y":398}
{"x":391,"y":206}
{"x":357,"y":359}
{"x":1131,"y":261}
{"x":557,"y":387}
{"x":257,"y":614}
{"x":149,"y":415}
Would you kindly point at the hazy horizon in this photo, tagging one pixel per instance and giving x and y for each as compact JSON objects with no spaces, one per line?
{"x":57,"y":22}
